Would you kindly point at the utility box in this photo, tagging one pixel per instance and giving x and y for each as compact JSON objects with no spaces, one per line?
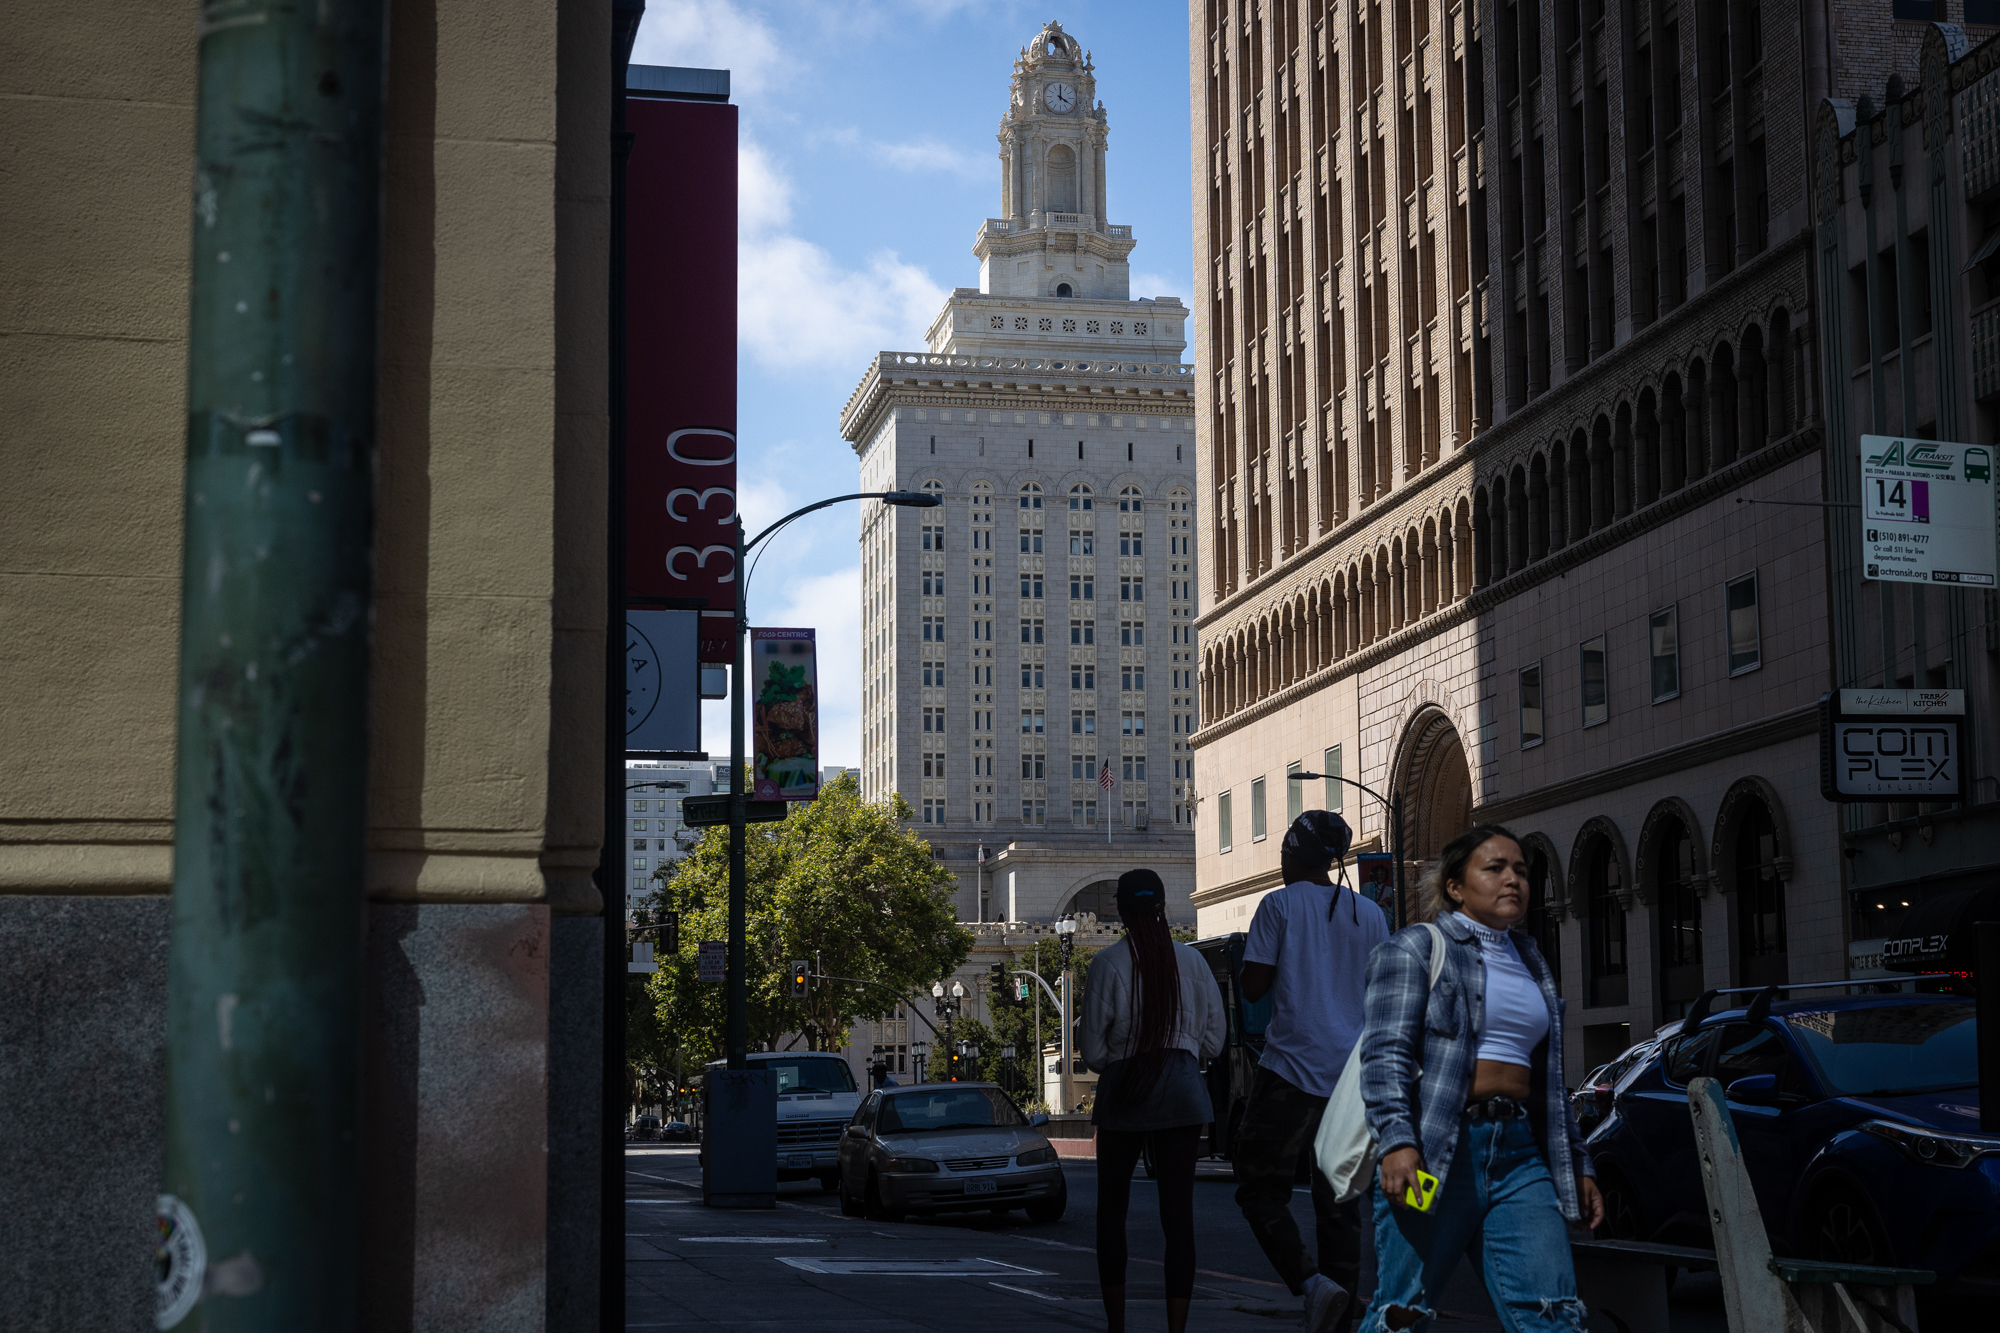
{"x":739,"y":1150}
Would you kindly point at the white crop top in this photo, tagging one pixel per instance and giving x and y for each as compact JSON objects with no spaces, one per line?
{"x":1517,"y":1017}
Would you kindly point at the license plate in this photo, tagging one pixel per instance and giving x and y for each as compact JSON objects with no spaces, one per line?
{"x":799,"y":1160}
{"x":981,"y":1186}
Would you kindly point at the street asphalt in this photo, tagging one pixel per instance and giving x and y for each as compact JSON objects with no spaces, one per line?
{"x":687,"y":1265}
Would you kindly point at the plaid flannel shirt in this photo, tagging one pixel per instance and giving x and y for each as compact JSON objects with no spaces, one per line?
{"x":1407,"y":1109}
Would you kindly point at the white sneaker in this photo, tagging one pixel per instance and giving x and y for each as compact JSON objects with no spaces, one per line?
{"x":1326,"y":1301}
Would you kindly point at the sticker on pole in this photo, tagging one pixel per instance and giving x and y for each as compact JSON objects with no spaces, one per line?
{"x":180,"y":1259}
{"x":1927,"y":511}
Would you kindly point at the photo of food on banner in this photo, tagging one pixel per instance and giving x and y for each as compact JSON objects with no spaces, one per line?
{"x":784,"y":675}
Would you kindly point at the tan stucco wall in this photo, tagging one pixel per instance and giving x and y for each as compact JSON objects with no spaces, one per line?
{"x":488,"y":690}
{"x":96,"y":119}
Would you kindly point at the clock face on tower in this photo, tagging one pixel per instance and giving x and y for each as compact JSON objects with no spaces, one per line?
{"x":1061,"y":98}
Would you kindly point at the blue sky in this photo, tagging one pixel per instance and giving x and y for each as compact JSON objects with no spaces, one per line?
{"x":868,"y":163}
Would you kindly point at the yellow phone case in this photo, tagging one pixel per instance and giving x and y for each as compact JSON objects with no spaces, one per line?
{"x":1419,"y":1195}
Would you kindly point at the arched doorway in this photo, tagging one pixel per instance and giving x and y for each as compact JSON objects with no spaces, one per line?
{"x":1435,"y":784}
{"x":1099,"y":898}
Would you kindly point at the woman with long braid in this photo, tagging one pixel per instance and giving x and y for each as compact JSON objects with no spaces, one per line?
{"x":1152,"y":1014}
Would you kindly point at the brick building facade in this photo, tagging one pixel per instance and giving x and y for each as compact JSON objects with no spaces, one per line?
{"x":1500,"y":311}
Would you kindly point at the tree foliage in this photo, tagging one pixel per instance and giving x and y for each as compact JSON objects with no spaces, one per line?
{"x":1015,"y":1023}
{"x":842,"y":883}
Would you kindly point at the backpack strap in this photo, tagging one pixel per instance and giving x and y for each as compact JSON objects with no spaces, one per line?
{"x":1437,"y":952}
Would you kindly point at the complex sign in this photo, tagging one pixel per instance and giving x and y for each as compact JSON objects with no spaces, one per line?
{"x":1927,"y":511}
{"x":1892,"y":745}
{"x":680,"y":363}
{"x":784,"y":683}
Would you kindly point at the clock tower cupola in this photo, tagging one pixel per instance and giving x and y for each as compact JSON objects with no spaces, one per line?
{"x":1053,"y":241}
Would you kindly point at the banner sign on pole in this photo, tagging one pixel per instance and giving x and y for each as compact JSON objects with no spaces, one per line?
{"x":1375,"y":878}
{"x":784,"y":690}
{"x":680,"y":366}
{"x":662,"y":701}
{"x":1892,"y":745}
{"x":1927,"y":511}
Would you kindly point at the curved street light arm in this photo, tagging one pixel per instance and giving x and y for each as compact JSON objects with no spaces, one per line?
{"x":1387,"y":804}
{"x":1047,"y":989}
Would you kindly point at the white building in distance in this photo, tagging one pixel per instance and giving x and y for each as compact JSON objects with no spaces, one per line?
{"x":1028,"y":648}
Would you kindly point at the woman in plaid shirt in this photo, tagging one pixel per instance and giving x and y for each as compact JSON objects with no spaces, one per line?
{"x":1465,"y":1080}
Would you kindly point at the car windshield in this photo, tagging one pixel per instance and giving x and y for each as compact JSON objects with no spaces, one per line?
{"x":810,"y":1074}
{"x":947,"y":1108}
{"x":1891,"y":1049}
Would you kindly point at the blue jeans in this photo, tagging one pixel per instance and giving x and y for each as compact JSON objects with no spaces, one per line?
{"x":1497,"y":1207}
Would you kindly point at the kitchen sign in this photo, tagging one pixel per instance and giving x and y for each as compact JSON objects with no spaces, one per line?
{"x":1927,"y":511}
{"x":1892,"y":745}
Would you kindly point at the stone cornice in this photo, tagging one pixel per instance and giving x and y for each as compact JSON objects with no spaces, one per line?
{"x":1491,"y":597}
{"x":1170,"y":384}
{"x":1785,"y":726}
{"x":1237,"y":888}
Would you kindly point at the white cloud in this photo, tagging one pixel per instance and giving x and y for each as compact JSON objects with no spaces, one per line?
{"x":710,"y":34}
{"x":831,"y":604}
{"x":763,"y":193}
{"x":797,"y":307}
{"x":1146,"y":285}
{"x":928,"y":155}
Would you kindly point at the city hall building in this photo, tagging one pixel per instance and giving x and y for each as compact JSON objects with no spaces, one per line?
{"x":1028,"y":656}
{"x":1501,"y":312}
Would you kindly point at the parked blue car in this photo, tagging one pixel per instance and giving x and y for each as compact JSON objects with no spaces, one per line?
{"x":1859,"y":1118}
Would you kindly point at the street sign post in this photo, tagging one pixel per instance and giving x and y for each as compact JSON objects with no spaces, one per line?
{"x":1927,"y":511}
{"x":1892,"y":745}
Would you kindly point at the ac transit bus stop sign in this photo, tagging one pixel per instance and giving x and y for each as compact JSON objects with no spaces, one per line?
{"x":1927,"y":511}
{"x":1892,"y":745}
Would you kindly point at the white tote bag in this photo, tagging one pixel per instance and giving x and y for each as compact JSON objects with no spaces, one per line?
{"x":1344,"y":1148}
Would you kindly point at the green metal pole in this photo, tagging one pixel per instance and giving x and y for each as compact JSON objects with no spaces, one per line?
{"x":736,"y":1039}
{"x":264,"y":990}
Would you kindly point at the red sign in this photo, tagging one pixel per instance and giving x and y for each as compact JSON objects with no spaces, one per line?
{"x":680,"y":386}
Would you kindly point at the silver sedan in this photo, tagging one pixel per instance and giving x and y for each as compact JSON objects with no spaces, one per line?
{"x":947,"y":1147}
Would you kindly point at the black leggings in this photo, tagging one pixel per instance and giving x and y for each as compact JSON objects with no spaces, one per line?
{"x":1174,"y":1153}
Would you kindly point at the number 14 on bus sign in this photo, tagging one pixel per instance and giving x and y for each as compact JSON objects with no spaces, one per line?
{"x":1927,"y":511}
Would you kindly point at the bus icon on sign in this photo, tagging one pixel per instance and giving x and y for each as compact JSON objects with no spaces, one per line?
{"x":1978,"y":465}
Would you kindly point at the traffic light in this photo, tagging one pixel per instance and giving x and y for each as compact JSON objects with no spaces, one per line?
{"x":801,"y":977}
{"x":999,"y":988}
{"x":956,"y":1068}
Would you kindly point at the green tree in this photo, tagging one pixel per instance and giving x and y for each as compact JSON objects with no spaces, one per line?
{"x":1015,"y":1023}
{"x":841,"y":883}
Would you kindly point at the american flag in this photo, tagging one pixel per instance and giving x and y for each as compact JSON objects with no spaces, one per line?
{"x":1104,"y":778}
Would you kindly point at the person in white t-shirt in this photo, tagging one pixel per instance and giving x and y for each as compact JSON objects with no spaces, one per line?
{"x":1308,"y":950}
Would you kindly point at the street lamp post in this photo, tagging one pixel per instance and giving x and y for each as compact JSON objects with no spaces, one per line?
{"x":1392,"y":803}
{"x":1066,"y":934}
{"x":736,"y":1038}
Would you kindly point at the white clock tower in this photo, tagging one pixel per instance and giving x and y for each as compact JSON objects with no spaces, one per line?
{"x":1028,"y":651}
{"x":1053,"y":274}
